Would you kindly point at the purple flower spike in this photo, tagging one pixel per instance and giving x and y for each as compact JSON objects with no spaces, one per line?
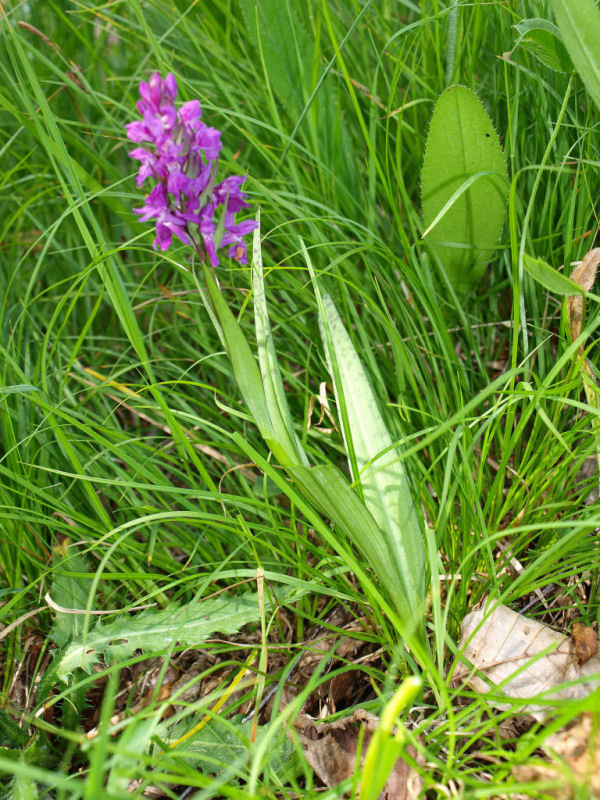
{"x":183,"y":158}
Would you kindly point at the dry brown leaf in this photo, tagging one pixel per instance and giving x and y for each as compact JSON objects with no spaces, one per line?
{"x":584,"y":274}
{"x":577,"y":745}
{"x":330,"y":749}
{"x":531,"y":773}
{"x":525,"y":656}
{"x":586,"y":642}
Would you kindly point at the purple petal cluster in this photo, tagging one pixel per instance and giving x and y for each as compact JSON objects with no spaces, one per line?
{"x":183,"y":156}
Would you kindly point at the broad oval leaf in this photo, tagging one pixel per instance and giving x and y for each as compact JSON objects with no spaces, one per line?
{"x":464,"y":186}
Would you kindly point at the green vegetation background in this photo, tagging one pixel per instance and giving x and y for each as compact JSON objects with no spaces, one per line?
{"x":117,"y":404}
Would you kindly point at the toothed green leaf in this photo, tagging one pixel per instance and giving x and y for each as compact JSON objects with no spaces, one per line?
{"x":23,"y":788}
{"x":158,"y":630}
{"x":11,"y":735}
{"x":464,"y":186}
{"x":69,"y":590}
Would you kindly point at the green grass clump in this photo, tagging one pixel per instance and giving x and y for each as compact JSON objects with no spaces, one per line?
{"x":132,"y":479}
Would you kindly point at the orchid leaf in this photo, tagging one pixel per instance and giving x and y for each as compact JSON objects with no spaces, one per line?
{"x":380,"y":472}
{"x":329,"y":491}
{"x":279,"y":413}
{"x":244,"y":366}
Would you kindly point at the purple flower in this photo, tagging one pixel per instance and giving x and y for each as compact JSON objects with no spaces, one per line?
{"x":228,"y":196}
{"x":168,"y":222}
{"x":190,"y":113}
{"x":183,"y":158}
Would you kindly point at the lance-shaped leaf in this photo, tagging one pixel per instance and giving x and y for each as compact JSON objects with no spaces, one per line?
{"x":279,"y":413}
{"x":464,"y":186}
{"x":240,"y":355}
{"x":378,"y":469}
{"x":329,"y":491}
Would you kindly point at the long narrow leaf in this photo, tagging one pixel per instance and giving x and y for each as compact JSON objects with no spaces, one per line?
{"x":383,"y":478}
{"x":579,"y":25}
{"x":242,"y":360}
{"x":281,"y":420}
{"x":329,"y":491}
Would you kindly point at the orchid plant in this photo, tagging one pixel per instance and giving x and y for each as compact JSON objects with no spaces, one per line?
{"x":376,"y":513}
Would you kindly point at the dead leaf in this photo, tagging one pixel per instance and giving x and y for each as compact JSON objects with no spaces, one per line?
{"x":584,"y":274}
{"x":586,"y":642}
{"x":577,"y":746}
{"x":525,"y":656}
{"x":531,"y":773}
{"x":330,"y":749}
